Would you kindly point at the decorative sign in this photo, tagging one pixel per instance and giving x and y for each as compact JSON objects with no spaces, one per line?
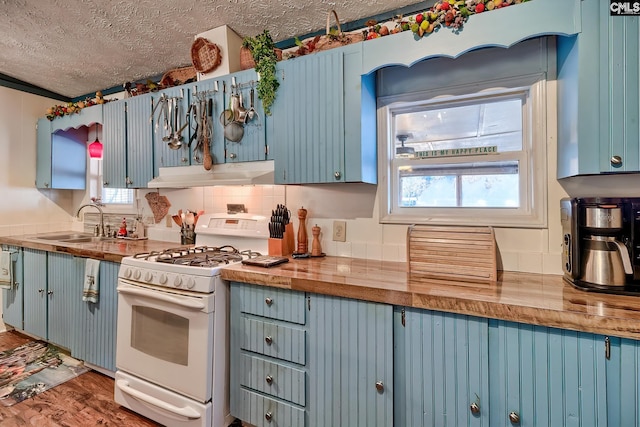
{"x":453,"y":152}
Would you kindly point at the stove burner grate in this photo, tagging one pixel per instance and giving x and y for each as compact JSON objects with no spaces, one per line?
{"x":200,"y":256}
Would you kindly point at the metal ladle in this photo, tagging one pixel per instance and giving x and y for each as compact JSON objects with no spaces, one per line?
{"x":175,"y":141}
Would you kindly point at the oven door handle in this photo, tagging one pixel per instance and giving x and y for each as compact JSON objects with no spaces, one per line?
{"x":185,"y":412}
{"x":196,"y":305}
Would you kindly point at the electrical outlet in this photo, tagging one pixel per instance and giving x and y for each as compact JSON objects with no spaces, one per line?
{"x":339,"y":231}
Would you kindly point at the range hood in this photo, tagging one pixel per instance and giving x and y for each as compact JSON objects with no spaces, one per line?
{"x":243,"y":173}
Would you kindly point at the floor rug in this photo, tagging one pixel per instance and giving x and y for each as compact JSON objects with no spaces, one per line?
{"x":32,"y":368}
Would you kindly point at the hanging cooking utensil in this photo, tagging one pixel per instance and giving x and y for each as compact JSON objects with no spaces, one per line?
{"x":175,"y":140}
{"x":239,"y":112}
{"x":251,"y":112}
{"x":168,"y":121}
{"x":207,"y":160}
{"x":234,"y":130}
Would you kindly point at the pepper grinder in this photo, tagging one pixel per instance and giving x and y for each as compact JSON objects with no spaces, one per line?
{"x":316,"y":249}
{"x":302,"y":231}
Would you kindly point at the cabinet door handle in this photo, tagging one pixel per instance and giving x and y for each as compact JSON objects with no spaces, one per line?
{"x":268,"y":340}
{"x":50,"y":293}
{"x":337,"y":175}
{"x":269,"y":379}
{"x":475,"y":408}
{"x":616,"y":160}
{"x":514,"y":417}
{"x":40,"y":291}
{"x":268,"y":416}
{"x":268,"y":301}
{"x":379,"y":386}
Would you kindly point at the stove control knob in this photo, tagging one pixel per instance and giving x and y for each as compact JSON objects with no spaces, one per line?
{"x":127,"y":273}
{"x":191,"y":283}
{"x":137,"y":274}
{"x":177,"y":282}
{"x":148,"y":277}
{"x":163,"y":279}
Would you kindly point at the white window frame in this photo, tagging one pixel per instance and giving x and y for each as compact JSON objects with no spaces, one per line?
{"x":96,"y":188}
{"x":532,"y":212}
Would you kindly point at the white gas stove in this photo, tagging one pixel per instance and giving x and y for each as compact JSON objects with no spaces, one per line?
{"x":172,"y":353}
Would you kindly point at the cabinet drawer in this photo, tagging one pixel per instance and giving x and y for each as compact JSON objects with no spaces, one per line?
{"x":261,"y":411}
{"x":273,"y":378}
{"x":279,"y":341}
{"x":280,"y":304}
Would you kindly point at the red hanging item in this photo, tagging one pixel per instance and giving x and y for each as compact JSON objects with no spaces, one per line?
{"x":95,"y":149}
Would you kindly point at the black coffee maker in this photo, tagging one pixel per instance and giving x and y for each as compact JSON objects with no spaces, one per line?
{"x":601,"y":244}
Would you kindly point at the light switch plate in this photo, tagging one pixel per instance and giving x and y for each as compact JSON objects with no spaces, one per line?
{"x":339,"y":231}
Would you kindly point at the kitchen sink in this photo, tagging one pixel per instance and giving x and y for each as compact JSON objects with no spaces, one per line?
{"x":65,"y":237}
{"x":88,"y":239}
{"x":74,"y":238}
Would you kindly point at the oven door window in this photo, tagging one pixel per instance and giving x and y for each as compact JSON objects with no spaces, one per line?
{"x":160,"y":334}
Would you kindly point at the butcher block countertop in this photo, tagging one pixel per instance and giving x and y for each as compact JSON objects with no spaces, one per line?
{"x":110,"y":250}
{"x":536,"y":299}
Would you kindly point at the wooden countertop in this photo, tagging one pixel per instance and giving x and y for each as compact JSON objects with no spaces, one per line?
{"x":111,"y":250}
{"x":527,"y":298}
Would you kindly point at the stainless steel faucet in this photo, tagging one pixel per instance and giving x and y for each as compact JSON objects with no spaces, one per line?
{"x":101,"y":225}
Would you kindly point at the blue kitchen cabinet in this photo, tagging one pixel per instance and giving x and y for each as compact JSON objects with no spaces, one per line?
{"x":171,"y":148}
{"x":441,"y":369}
{"x":623,"y":391}
{"x":64,"y":298}
{"x":268,"y":355}
{"x":324,"y":119}
{"x":350,"y":362}
{"x":95,"y":331}
{"x":253,"y":145}
{"x":13,"y":297}
{"x":203,"y":91}
{"x":61,"y":158}
{"x":127,"y":133}
{"x":114,"y":142}
{"x":546,"y":376}
{"x":35,"y":292}
{"x":598,"y":89}
{"x":140,"y":147}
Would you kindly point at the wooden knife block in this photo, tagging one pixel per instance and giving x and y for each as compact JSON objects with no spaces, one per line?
{"x":284,"y":246}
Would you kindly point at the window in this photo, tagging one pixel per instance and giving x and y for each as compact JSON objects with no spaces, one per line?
{"x":117,"y":197}
{"x":471,"y":153}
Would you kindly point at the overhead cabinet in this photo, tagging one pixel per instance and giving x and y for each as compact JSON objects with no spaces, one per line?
{"x":61,"y":159}
{"x":324,"y":119}
{"x":598,"y":90}
{"x":127,"y":134}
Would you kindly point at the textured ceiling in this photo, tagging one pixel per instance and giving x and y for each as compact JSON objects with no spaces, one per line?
{"x":75,"y":47}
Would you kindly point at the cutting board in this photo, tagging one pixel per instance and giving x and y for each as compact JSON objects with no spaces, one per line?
{"x":450,"y":252}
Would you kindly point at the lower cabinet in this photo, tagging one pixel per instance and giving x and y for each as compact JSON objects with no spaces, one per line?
{"x":35,"y":292}
{"x":441,"y":369}
{"x":295,"y":363}
{"x":546,"y":376}
{"x":350,"y":363}
{"x":96,"y":327}
{"x":13,"y":296}
{"x":54,"y":310}
{"x":268,"y":356}
{"x":315,"y":360}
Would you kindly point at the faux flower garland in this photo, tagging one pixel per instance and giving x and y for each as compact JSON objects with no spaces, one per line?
{"x":74,"y":107}
{"x":448,"y":13}
{"x":453,"y":14}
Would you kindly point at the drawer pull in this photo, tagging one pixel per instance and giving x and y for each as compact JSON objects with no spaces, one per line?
{"x":379,"y":386}
{"x":475,"y":408}
{"x":268,"y":340}
{"x":269,"y":379}
{"x":514,"y":417}
{"x":268,"y":301}
{"x":268,"y":416}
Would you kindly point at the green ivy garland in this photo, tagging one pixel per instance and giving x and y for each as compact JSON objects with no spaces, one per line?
{"x":262,"y":50}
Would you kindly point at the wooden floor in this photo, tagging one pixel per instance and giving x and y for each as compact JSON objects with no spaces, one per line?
{"x":83,"y":401}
